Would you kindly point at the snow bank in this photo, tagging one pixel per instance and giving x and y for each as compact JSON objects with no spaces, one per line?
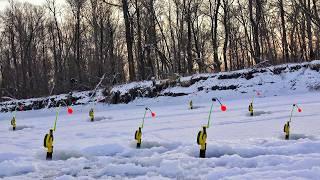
{"x":75,"y":98}
{"x":103,"y":150}
{"x":280,"y":148}
{"x":277,"y":80}
{"x":127,"y":170}
{"x":170,"y":168}
{"x":9,"y":156}
{"x":12,"y":168}
{"x":124,"y":88}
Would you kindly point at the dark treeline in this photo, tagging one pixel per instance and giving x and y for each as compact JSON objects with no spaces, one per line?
{"x":53,"y":49}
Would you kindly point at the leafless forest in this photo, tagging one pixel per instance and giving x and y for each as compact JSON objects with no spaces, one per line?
{"x":52,"y":49}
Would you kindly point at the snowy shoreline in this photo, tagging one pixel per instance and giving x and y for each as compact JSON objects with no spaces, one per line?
{"x":272,"y":81}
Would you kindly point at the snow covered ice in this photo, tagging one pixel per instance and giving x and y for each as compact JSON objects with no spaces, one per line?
{"x":238,"y":146}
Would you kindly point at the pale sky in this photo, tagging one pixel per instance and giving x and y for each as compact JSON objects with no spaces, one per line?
{"x":5,"y":3}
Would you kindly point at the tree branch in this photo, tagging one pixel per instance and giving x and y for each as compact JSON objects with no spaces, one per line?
{"x":111,"y":4}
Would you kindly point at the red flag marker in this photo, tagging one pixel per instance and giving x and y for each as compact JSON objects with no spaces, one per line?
{"x":298,"y":109}
{"x":70,"y":110}
{"x":153,"y":114}
{"x":223,"y":108}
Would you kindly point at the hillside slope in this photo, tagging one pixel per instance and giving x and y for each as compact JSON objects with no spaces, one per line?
{"x":283,"y":79}
{"x":277,"y":80}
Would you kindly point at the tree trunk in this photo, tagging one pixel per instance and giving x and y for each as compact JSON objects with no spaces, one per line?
{"x":214,"y":32}
{"x":189,"y":46}
{"x":129,"y":40}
